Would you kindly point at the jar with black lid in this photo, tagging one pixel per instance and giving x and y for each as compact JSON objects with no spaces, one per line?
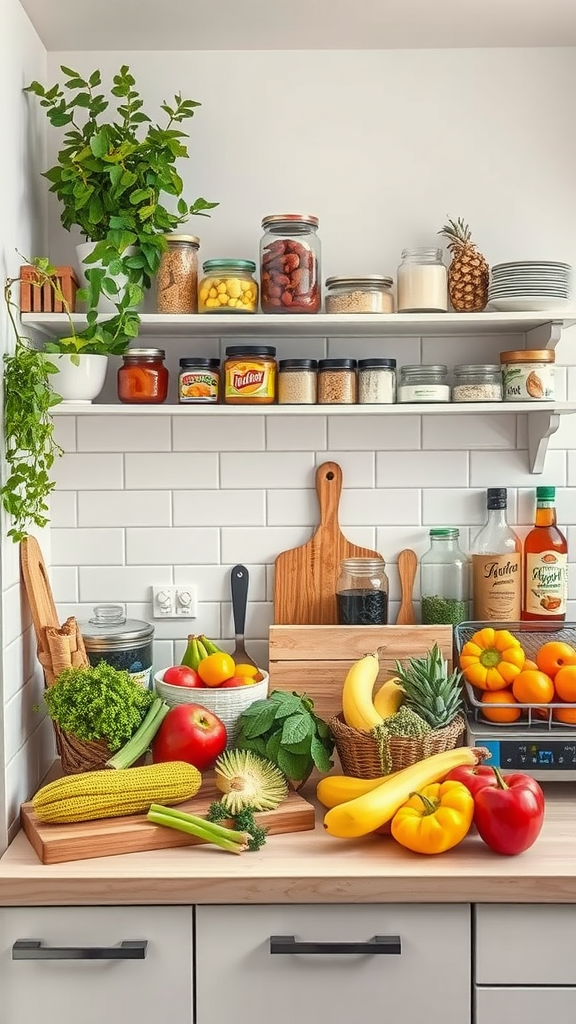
{"x":249,"y":375}
{"x":337,"y":381}
{"x":376,"y":381}
{"x":297,"y":381}
{"x":199,"y":381}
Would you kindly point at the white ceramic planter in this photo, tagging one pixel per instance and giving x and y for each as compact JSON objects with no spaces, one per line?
{"x":105,"y":305}
{"x":78,"y":383}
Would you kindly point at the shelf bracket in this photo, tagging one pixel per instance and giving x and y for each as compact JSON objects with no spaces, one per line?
{"x":541,"y":425}
{"x":545,"y":336}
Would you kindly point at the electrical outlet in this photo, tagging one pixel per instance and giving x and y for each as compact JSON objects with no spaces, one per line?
{"x":175,"y":602}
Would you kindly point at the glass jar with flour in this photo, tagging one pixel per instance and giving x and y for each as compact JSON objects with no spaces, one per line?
{"x":422,"y":282}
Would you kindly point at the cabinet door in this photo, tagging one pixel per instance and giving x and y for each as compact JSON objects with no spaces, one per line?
{"x":528,"y":1005}
{"x":538,"y":941}
{"x":83,"y":990}
{"x":238,"y":977}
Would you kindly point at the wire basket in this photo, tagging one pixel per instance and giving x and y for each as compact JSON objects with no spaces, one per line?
{"x":531,"y":635}
{"x":227,"y":704}
{"x":364,"y":756}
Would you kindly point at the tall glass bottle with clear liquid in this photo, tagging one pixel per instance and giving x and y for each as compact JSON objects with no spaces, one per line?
{"x":545,"y":563}
{"x":496,"y":564}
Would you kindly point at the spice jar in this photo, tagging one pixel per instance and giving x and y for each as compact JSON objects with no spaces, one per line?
{"x":370,"y":294}
{"x":528,"y":375}
{"x":427,"y":383}
{"x":250,"y":375}
{"x":336,"y":381}
{"x":477,"y":383}
{"x":290,"y":264}
{"x":297,"y":381}
{"x":125,"y":644}
{"x":422,"y":282}
{"x":376,"y":381}
{"x":362,"y":592}
{"x":444,"y":580}
{"x":199,"y":381}
{"x":177,"y":280}
{"x":143,"y":376}
{"x":228,"y":287}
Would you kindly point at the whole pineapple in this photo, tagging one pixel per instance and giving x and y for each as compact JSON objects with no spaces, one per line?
{"x":430,"y":690}
{"x":469,"y":273}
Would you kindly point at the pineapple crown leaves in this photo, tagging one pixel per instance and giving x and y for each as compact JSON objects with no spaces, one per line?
{"x":458,"y":234}
{"x":431,"y":691}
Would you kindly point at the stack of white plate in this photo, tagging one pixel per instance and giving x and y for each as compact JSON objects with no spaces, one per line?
{"x":530,"y":285}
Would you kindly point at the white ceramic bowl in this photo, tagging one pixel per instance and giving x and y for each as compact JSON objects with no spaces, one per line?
{"x":228,"y":704}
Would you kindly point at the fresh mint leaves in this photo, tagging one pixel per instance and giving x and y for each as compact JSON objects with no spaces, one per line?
{"x":284,"y":728}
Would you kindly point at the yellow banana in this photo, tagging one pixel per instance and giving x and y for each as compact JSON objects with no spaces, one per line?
{"x":337,"y":789}
{"x":389,"y":698}
{"x":357,"y":707}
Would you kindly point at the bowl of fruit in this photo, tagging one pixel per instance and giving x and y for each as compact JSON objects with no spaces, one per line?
{"x":210,"y":677}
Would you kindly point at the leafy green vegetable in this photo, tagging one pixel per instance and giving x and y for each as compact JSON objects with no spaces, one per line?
{"x":284,"y":728}
{"x":98,"y":703}
{"x":244,"y":821}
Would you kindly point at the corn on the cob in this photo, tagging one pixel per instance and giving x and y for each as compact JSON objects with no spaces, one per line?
{"x":113,"y":794}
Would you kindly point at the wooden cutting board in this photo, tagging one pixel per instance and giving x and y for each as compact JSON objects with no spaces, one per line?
{"x":306,"y":577}
{"x":109,"y":837}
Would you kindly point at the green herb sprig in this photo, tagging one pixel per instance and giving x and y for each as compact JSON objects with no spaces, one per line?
{"x":244,"y":821}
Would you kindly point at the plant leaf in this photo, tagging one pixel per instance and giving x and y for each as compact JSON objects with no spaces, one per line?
{"x":296,"y":728}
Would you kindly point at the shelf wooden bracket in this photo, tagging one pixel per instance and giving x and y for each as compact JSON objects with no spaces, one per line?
{"x":545,"y":336}
{"x":541,"y":425}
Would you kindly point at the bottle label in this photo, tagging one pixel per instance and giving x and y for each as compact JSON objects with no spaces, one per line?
{"x":198,"y":386}
{"x":546,"y":583}
{"x":249,"y":379}
{"x":497,"y":587}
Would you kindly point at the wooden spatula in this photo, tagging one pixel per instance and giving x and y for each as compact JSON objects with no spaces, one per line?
{"x":407,"y":565}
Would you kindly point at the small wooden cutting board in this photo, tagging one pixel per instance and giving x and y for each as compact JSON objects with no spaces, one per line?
{"x":108,"y":837}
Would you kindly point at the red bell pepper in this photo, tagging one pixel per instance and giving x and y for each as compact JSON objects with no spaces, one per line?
{"x":509,"y":815}
{"x":474,"y":777}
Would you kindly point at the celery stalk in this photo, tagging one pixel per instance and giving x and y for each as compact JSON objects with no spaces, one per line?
{"x":198,"y":827}
{"x":212,"y":826}
{"x":138,"y":744}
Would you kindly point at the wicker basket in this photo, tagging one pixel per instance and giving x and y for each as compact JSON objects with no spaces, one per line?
{"x":362,"y":756}
{"x":78,"y":756}
{"x":227,"y":704}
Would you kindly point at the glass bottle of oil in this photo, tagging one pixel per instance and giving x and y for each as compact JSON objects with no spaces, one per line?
{"x":545,"y":563}
{"x":496,"y":564}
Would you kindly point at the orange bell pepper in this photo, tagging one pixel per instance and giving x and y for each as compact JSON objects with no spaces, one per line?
{"x":492,"y":659}
{"x":435,"y":819}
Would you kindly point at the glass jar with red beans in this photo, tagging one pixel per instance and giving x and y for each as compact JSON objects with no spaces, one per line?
{"x":290,"y":264}
{"x":143,"y":377}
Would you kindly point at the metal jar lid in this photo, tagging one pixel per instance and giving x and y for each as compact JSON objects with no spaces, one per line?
{"x":290,"y":218}
{"x":144,"y":353}
{"x":528,"y":355}
{"x":109,"y":629}
{"x":187,"y":239}
{"x":367,"y":281}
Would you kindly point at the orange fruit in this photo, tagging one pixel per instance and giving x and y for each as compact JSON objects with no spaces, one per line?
{"x":565,"y":715}
{"x":551,"y":656}
{"x":217,"y":667}
{"x":246,"y":670}
{"x":565,"y":683}
{"x":530,"y":664}
{"x":498,"y":714}
{"x":531,"y":687}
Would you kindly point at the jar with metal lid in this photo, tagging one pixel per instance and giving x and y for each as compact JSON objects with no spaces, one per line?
{"x":143,"y":378}
{"x":369,"y":294}
{"x":376,"y":381}
{"x":290,"y":264}
{"x":199,"y":381}
{"x":177,"y":279}
{"x":337,"y":382}
{"x":444,"y":579}
{"x":123,"y":643}
{"x":250,"y":375}
{"x":528,"y":375}
{"x":297,"y":380}
{"x":481,"y":382}
{"x":228,"y":286}
{"x":422,"y":282}
{"x":426,"y":383}
{"x":362,"y":592}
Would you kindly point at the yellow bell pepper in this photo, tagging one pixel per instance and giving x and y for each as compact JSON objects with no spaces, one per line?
{"x":492,"y":659}
{"x":435,"y":819}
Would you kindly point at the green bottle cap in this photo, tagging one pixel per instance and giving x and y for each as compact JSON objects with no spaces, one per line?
{"x":545,"y":493}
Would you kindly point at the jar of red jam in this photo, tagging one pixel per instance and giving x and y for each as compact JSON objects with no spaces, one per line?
{"x":143,"y":377}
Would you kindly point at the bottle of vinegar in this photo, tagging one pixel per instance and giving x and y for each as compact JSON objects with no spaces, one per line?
{"x":496,"y":565}
{"x":545,"y":562}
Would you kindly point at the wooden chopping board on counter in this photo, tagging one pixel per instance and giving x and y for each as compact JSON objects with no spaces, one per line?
{"x":305,"y":578}
{"x":108,"y":837}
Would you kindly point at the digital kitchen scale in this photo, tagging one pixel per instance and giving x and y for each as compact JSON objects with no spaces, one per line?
{"x":548,"y":755}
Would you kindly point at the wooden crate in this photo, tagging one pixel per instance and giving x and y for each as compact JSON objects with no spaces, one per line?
{"x":315,"y":659}
{"x":36,"y":298}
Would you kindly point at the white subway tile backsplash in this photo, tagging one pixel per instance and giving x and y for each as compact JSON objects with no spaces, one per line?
{"x":219,"y":508}
{"x":124,"y":433}
{"x":373,"y":433}
{"x":379,"y":506}
{"x":468,"y":431}
{"x":63,"y":510}
{"x":259,"y":617}
{"x":296,"y":433}
{"x":484,"y":348}
{"x":15,"y":614}
{"x":87,"y":547}
{"x":65,"y":432}
{"x":391,"y":540}
{"x":64,"y":581}
{"x":510,"y":469}
{"x":456,"y":506}
{"x":292,"y":508}
{"x":266,"y":469}
{"x":171,"y":471}
{"x":213,"y":581}
{"x":402,"y":349}
{"x":166,"y":546}
{"x":124,"y":508}
{"x":112,"y":583}
{"x":218,"y":433}
{"x":89,"y":472}
{"x":421,"y":469}
{"x":565,"y":436}
{"x":358,"y":468}
{"x":250,"y":544}
{"x":207,"y":622}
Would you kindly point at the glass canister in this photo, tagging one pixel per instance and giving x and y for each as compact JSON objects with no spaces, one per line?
{"x":371,"y":294}
{"x":290,"y":264}
{"x":297,"y":380}
{"x":228,"y":286}
{"x":123,"y":643}
{"x":143,"y":378}
{"x":250,"y":375}
{"x":481,"y":382}
{"x":376,"y":381}
{"x":177,"y":279}
{"x":422,"y":282}
{"x":426,"y":383}
{"x":337,"y":384}
{"x":362,"y":592}
{"x":444,"y":579}
{"x":199,"y":381}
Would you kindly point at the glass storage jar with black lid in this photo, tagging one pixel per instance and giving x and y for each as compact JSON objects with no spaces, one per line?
{"x":199,"y":381}
{"x":290,"y":264}
{"x":297,"y":381}
{"x":123,"y":643}
{"x":369,"y":294}
{"x":376,"y":381}
{"x":337,"y":383}
{"x":444,"y":579}
{"x":228,"y":286}
{"x":362,"y":592}
{"x":427,"y":383}
{"x":143,"y":378}
{"x":481,"y":382}
{"x":177,"y":278}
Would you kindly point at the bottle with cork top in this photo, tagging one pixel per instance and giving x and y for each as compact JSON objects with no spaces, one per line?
{"x":545,"y":563}
{"x":496,"y":564}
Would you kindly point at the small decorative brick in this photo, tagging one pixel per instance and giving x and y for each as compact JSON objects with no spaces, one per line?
{"x":37,"y":298}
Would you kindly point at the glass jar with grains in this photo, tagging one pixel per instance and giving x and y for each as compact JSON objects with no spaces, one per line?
{"x":290,"y":264}
{"x":297,"y":381}
{"x":370,"y":294}
{"x":376,"y":381}
{"x":337,"y":382}
{"x":477,"y":383}
{"x":228,"y":286}
{"x":143,"y":378}
{"x":177,"y":279}
{"x":426,"y":383}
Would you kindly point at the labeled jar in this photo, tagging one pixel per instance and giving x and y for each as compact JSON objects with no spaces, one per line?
{"x":123,"y":643}
{"x":177,"y":279}
{"x":481,"y":382}
{"x":250,"y":375}
{"x":337,"y":382}
{"x":376,"y":381}
{"x":290,"y":264}
{"x":362,"y":592}
{"x":422,"y":282}
{"x":427,"y":383}
{"x":370,"y":294}
{"x":228,"y":286}
{"x":143,"y":378}
{"x":444,"y":579}
{"x":528,"y":375}
{"x":199,"y":381}
{"x":297,"y":379}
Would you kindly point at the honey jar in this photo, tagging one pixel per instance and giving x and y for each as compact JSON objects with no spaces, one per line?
{"x":250,"y":375}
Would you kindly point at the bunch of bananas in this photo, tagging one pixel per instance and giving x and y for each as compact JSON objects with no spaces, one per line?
{"x":360,"y":709}
{"x":198,"y":648}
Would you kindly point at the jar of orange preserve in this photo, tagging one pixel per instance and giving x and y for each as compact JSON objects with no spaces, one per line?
{"x":250,"y":375}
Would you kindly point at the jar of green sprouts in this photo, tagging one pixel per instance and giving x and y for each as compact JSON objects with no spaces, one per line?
{"x":444,"y":579}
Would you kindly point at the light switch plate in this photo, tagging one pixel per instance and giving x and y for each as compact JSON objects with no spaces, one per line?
{"x":175,"y":602}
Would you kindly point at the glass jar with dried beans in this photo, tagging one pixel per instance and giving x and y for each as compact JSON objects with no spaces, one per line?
{"x":297,"y":381}
{"x":337,"y":382}
{"x":290,"y":264}
{"x":177,"y":279}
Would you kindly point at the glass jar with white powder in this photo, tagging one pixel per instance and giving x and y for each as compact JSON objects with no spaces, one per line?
{"x":376,"y":381}
{"x":426,"y":383}
{"x":422,"y":282}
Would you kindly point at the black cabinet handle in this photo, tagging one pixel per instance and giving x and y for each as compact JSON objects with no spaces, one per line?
{"x":32,"y":949}
{"x":379,"y":944}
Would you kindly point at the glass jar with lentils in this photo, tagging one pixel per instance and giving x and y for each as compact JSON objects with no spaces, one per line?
{"x":177,"y":278}
{"x":337,"y":382}
{"x":297,"y":381}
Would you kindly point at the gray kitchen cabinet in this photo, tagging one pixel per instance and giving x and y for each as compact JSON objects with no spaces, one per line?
{"x":528,"y":1005}
{"x":524,"y":944}
{"x":77,"y":970}
{"x":286,"y":963}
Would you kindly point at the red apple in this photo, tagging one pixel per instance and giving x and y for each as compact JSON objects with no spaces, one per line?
{"x":181,"y":675}
{"x":234,"y":681}
{"x":190,"y":733}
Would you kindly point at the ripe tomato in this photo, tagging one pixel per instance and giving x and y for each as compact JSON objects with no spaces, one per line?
{"x":181,"y":675}
{"x":217,"y":667}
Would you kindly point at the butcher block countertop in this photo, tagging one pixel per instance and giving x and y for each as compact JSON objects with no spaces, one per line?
{"x":308,"y":867}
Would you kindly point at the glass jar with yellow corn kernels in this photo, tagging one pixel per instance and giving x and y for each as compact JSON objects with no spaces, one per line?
{"x":228,"y":286}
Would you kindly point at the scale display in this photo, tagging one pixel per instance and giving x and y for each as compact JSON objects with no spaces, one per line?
{"x":548,"y":754}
